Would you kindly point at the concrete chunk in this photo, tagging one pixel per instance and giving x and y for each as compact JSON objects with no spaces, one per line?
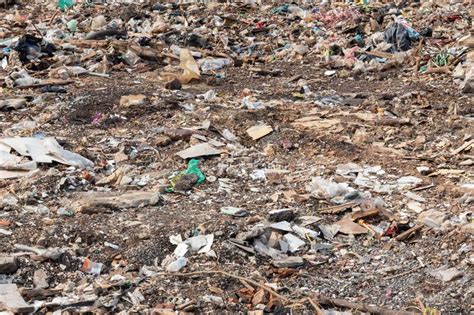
{"x":11,"y":299}
{"x":288,"y":262}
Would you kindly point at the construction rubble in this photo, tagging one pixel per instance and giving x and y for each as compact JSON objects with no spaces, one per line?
{"x":257,"y":157}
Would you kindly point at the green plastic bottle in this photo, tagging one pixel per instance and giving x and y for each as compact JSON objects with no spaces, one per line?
{"x":65,"y":4}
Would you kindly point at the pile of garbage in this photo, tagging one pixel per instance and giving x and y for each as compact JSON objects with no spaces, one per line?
{"x":236,"y":157}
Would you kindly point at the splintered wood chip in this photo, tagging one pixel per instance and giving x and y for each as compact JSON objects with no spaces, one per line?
{"x":346,"y":226}
{"x":260,"y":131}
{"x":313,"y":122}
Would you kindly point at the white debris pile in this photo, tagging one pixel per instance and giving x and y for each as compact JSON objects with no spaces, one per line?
{"x":45,"y":150}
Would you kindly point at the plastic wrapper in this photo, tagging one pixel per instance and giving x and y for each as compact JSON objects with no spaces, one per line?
{"x":189,"y":65}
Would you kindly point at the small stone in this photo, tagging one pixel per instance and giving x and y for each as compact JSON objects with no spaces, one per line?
{"x":446,"y":274}
{"x":414,"y":196}
{"x":415,"y":206}
{"x":211,"y":179}
{"x":174,"y":84}
{"x":186,"y":182}
{"x":329,"y":231}
{"x":47,"y":221}
{"x":217,"y":300}
{"x":162,"y":140}
{"x":275,"y":176}
{"x":40,"y":279}
{"x":273,"y":239}
{"x":8,"y":265}
{"x":288,"y":262}
{"x":423,"y":170}
{"x":132,"y":100}
{"x":234,"y":211}
{"x":281,"y":215}
{"x":143,"y":235}
{"x":432,"y":218}
{"x":294,"y":243}
{"x":282,"y":226}
{"x":468,"y":228}
{"x":269,"y":150}
{"x":409,"y":181}
{"x":256,"y":231}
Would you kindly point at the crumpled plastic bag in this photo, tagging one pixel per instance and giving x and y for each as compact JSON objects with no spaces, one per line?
{"x":189,"y":65}
{"x":400,"y":36}
{"x":212,"y":64}
{"x":192,"y":173}
{"x":325,"y":189}
{"x":30,"y":48}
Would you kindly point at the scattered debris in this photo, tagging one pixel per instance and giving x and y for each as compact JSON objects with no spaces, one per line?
{"x":326,"y":170}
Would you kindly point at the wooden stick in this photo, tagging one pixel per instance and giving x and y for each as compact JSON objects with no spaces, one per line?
{"x":446,"y":70}
{"x":210,"y":272}
{"x":45,"y":83}
{"x":338,"y":209}
{"x":52,"y":18}
{"x":37,"y":30}
{"x":364,"y":213}
{"x":314,"y":305}
{"x":409,"y":232}
{"x":423,"y":187}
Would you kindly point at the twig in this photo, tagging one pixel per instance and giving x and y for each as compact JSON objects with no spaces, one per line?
{"x":423,"y":187}
{"x":403,"y":273}
{"x":314,"y":305}
{"x":373,"y":309}
{"x":208,"y":272}
{"x":337,"y":209}
{"x":320,"y":298}
{"x":420,"y":303}
{"x":45,"y":83}
{"x":52,"y":18}
{"x":248,"y":286}
{"x":39,"y":32}
{"x":408,"y":232}
{"x":96,"y":74}
{"x":445,"y":70}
